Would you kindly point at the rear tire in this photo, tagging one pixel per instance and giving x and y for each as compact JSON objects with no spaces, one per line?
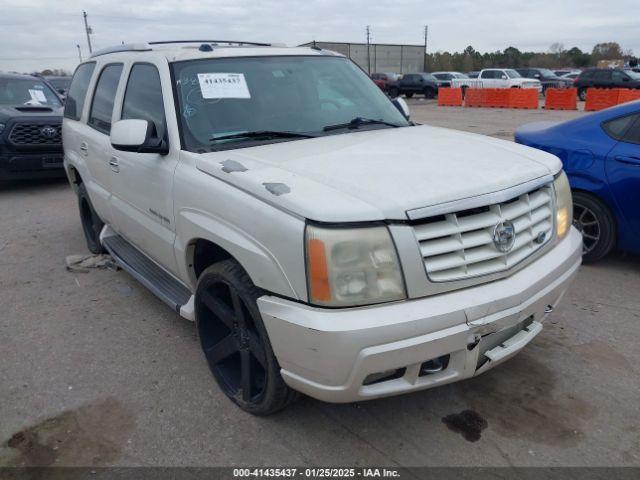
{"x":91,"y":222}
{"x":597,"y":225}
{"x":235,"y":341}
{"x":408,"y":95}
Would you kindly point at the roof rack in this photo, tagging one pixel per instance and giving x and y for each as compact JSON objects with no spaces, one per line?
{"x":145,"y":47}
{"x":128,"y":47}
{"x":228,"y":42}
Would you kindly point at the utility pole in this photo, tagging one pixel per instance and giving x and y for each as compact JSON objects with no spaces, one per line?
{"x":368,"y":49}
{"x":87,"y":29}
{"x":426,"y":34}
{"x":79,"y":53}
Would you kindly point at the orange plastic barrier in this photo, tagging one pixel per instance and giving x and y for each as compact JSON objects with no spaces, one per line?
{"x":523,"y":98}
{"x":600,"y":98}
{"x":497,"y":98}
{"x":561,"y":99}
{"x":450,"y":97}
{"x":475,"y":97}
{"x":628,"y":95}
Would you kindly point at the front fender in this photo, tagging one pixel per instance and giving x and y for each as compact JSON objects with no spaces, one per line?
{"x":255,"y":257}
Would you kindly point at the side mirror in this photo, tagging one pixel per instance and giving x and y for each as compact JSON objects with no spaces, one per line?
{"x":536,"y":75}
{"x":137,"y":136}
{"x":504,"y":77}
{"x":625,"y":79}
{"x":62,"y":91}
{"x":402,"y":106}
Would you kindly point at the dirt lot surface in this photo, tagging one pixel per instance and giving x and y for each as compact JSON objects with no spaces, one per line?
{"x":94,"y":370}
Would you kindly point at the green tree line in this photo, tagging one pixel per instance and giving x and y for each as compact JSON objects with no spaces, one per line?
{"x":557,"y":57}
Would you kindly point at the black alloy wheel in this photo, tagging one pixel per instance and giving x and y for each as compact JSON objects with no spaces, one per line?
{"x":235,"y":342}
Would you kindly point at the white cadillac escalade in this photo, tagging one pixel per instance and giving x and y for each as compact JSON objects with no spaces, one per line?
{"x":322,"y":242}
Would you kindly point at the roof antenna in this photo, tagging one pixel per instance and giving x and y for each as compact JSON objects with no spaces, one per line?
{"x":205,"y":47}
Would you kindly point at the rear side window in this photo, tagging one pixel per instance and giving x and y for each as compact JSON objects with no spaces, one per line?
{"x":617,"y":127}
{"x":618,"y":76}
{"x":633,"y":132}
{"x":104,"y":97}
{"x":143,"y":97}
{"x":602,"y":75}
{"x":78,"y":91}
{"x":588,"y":74}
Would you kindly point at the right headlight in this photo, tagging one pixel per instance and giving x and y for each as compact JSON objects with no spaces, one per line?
{"x":352,"y":266}
{"x":564,"y":204}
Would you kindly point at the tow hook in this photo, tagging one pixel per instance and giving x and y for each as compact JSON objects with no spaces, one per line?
{"x":474,"y":343}
{"x":548,"y":309}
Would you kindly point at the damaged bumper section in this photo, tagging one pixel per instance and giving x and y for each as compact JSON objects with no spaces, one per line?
{"x":345,"y":355}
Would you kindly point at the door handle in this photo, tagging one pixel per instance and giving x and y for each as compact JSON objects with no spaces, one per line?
{"x":113,"y":163}
{"x":628,"y":160}
{"x":84,"y":147}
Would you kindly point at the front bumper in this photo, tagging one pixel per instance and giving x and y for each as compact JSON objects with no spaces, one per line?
{"x":32,"y":165}
{"x":329,"y":353}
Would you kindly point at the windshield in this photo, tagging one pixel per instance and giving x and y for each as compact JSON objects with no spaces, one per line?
{"x":632,"y":74}
{"x":512,"y":73}
{"x":544,"y":73}
{"x":22,"y":91}
{"x":228,"y":96}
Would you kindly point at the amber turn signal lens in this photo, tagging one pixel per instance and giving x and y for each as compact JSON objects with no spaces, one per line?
{"x":320,"y":289}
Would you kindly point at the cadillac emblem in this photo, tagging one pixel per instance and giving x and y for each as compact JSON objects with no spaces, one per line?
{"x":504,"y":236}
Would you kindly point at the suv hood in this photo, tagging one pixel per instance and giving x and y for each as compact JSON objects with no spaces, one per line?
{"x":377,"y":174}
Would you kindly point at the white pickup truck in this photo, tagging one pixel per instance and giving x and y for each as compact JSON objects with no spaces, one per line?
{"x":497,"y":78}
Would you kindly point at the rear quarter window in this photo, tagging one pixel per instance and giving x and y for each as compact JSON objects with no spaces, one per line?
{"x":617,"y":128}
{"x":78,"y":91}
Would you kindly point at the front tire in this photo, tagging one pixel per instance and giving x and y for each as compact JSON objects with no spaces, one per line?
{"x":91,"y":222}
{"x":235,"y":341}
{"x":408,"y":94}
{"x":394,"y":92}
{"x":595,"y":221}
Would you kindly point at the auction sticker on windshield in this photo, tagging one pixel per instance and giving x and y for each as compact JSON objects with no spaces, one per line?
{"x":223,"y":85}
{"x":37,"y":95}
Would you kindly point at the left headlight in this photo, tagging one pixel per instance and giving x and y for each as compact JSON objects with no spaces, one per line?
{"x":352,"y":266}
{"x":564,"y":204}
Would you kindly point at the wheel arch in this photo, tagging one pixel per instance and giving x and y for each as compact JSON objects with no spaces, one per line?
{"x":212,"y":240}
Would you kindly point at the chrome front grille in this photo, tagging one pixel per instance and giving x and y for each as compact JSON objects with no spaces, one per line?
{"x":36,"y":134}
{"x":460,"y":245}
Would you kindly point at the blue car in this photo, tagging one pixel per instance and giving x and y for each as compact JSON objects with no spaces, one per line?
{"x":601,"y":156}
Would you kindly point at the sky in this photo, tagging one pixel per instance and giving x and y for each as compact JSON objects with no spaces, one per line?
{"x":38,"y":34}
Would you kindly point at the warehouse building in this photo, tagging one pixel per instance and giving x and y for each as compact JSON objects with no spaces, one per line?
{"x":382,"y":57}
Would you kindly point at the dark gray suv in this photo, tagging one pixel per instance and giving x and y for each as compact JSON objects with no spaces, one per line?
{"x":30,"y":128}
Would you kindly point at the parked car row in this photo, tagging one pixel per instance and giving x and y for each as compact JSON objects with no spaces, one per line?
{"x":539,"y":78}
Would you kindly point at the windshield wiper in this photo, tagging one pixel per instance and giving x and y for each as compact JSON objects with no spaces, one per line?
{"x":262,"y":134}
{"x":358,"y":122}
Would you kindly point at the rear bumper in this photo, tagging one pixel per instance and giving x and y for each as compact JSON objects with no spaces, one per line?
{"x":328,"y":354}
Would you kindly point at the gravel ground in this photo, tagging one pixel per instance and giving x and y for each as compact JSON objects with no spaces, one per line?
{"x":95,"y":370}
